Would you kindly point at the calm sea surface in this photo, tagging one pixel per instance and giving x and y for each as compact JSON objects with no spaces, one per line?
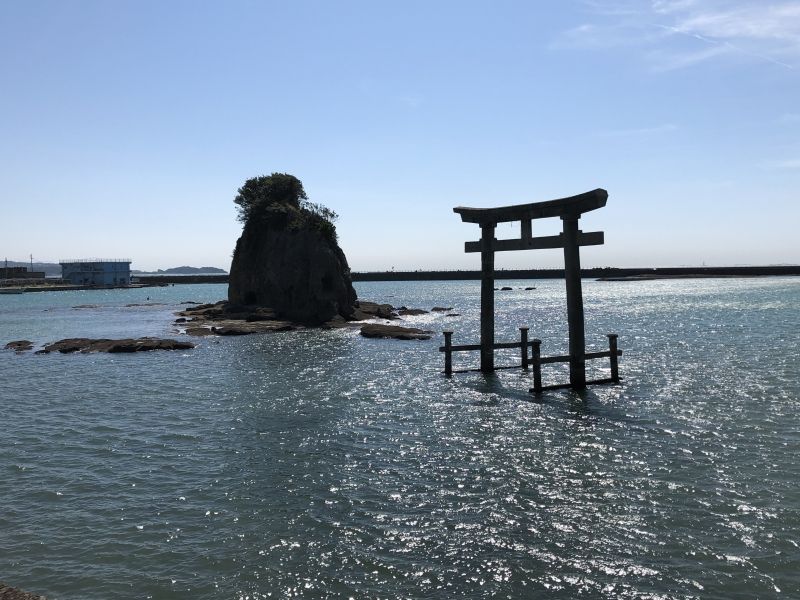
{"x":319,"y":464}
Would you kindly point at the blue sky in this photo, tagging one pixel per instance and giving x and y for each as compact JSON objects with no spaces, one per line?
{"x":127,"y":127}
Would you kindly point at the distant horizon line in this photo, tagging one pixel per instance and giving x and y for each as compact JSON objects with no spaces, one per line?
{"x":448,"y":270}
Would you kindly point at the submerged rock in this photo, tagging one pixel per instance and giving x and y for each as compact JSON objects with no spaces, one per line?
{"x":199,"y":331}
{"x":376,"y":330}
{"x":69,"y":345}
{"x":411,"y":312}
{"x":224,"y":318}
{"x":19,"y":345}
{"x":204,"y":311}
{"x":135,"y":304}
{"x":231,"y":328}
{"x":371,"y":310}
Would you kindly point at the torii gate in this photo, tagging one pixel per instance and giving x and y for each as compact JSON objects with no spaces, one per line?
{"x":569,"y":210}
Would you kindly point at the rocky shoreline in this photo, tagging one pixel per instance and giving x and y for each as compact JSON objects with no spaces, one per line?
{"x":9,"y":593}
{"x":226,"y":319}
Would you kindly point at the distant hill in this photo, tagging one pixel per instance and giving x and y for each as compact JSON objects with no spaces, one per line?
{"x":187,"y":271}
{"x":54,"y":269}
{"x":50,"y":269}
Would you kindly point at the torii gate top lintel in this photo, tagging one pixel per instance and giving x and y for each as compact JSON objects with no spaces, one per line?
{"x":574,"y":206}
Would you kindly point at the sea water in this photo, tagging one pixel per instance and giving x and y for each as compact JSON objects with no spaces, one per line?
{"x":320,"y":464}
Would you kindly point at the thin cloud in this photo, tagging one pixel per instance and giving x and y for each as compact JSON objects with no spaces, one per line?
{"x":722,"y":47}
{"x":612,"y":8}
{"x":591,"y":36}
{"x":670,"y":60}
{"x":672,"y":6}
{"x":765,"y":31}
{"x":581,"y":35}
{"x":777,"y":22}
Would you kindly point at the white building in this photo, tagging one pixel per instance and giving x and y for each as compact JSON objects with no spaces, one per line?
{"x":97,"y":271}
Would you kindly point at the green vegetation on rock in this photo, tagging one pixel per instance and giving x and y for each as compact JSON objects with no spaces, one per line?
{"x":279,"y":197}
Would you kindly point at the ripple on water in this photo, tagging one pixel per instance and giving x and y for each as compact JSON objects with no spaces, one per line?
{"x":324,"y":465}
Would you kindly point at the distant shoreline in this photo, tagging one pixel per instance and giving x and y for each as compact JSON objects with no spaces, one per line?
{"x":600,"y":274}
{"x":605,"y":273}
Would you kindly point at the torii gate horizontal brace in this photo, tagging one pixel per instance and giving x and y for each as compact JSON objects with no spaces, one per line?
{"x":571,"y":207}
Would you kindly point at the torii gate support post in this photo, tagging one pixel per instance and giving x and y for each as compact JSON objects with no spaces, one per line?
{"x":487,"y":297}
{"x":572,"y":276}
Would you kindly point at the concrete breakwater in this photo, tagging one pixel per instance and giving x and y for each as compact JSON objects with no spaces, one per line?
{"x":594,"y":273}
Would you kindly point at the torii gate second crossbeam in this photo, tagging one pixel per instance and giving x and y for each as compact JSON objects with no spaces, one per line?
{"x":569,"y":210}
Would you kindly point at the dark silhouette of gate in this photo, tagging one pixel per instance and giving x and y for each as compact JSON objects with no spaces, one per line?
{"x":569,"y":210}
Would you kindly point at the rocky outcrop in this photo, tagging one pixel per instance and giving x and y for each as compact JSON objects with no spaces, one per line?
{"x":70,"y":345}
{"x":226,"y":319}
{"x":288,"y":259}
{"x":223,"y":318}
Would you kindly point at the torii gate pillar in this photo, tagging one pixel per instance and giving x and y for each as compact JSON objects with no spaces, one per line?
{"x":572,"y":276}
{"x":487,"y":297}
